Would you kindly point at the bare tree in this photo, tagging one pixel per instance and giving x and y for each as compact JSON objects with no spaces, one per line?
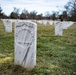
{"x":0,"y":9}
{"x":65,"y":15}
{"x":47,"y":15}
{"x":24,"y":14}
{"x":53,"y":16}
{"x":25,"y":11}
{"x":15,"y":13}
{"x":33,"y":14}
{"x":39,"y":16}
{"x":16,"y":10}
{"x":71,"y":9}
{"x":2,"y":15}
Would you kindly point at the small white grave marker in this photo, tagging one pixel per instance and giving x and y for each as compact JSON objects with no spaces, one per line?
{"x":8,"y":25}
{"x":66,"y":24}
{"x":44,"y":22}
{"x":39,"y":21}
{"x":58,"y":28}
{"x":50,"y":22}
{"x":25,"y":44}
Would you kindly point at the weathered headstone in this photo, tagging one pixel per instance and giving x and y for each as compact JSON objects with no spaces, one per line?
{"x":44,"y":22}
{"x":25,"y":44}
{"x":8,"y":25}
{"x":39,"y":21}
{"x":58,"y":28}
{"x":50,"y":22}
{"x":54,"y":22}
{"x":66,"y":24}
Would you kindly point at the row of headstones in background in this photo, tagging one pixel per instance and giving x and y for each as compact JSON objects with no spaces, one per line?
{"x":44,"y":22}
{"x":59,"y":26}
{"x":25,"y":44}
{"x":8,"y":23}
{"x":65,"y":24}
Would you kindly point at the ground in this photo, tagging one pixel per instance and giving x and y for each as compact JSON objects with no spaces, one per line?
{"x":56,"y":55}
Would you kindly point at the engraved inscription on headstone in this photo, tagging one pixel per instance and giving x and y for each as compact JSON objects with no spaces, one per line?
{"x":25,"y":44}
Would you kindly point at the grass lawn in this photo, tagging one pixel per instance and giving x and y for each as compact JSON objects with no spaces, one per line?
{"x":56,"y":55}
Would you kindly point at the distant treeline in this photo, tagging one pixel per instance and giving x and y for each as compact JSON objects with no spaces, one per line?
{"x":69,"y":14}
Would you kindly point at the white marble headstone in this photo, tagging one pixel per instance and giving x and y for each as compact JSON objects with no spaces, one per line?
{"x":50,"y":22}
{"x":58,"y":28}
{"x":66,"y":24}
{"x":8,"y":25}
{"x":25,"y":44}
{"x":39,"y":21}
{"x":44,"y":22}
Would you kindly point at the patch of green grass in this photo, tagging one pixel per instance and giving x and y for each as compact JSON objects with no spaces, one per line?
{"x":56,"y":55}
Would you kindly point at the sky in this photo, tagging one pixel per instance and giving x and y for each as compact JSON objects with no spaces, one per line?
{"x":41,"y":6}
